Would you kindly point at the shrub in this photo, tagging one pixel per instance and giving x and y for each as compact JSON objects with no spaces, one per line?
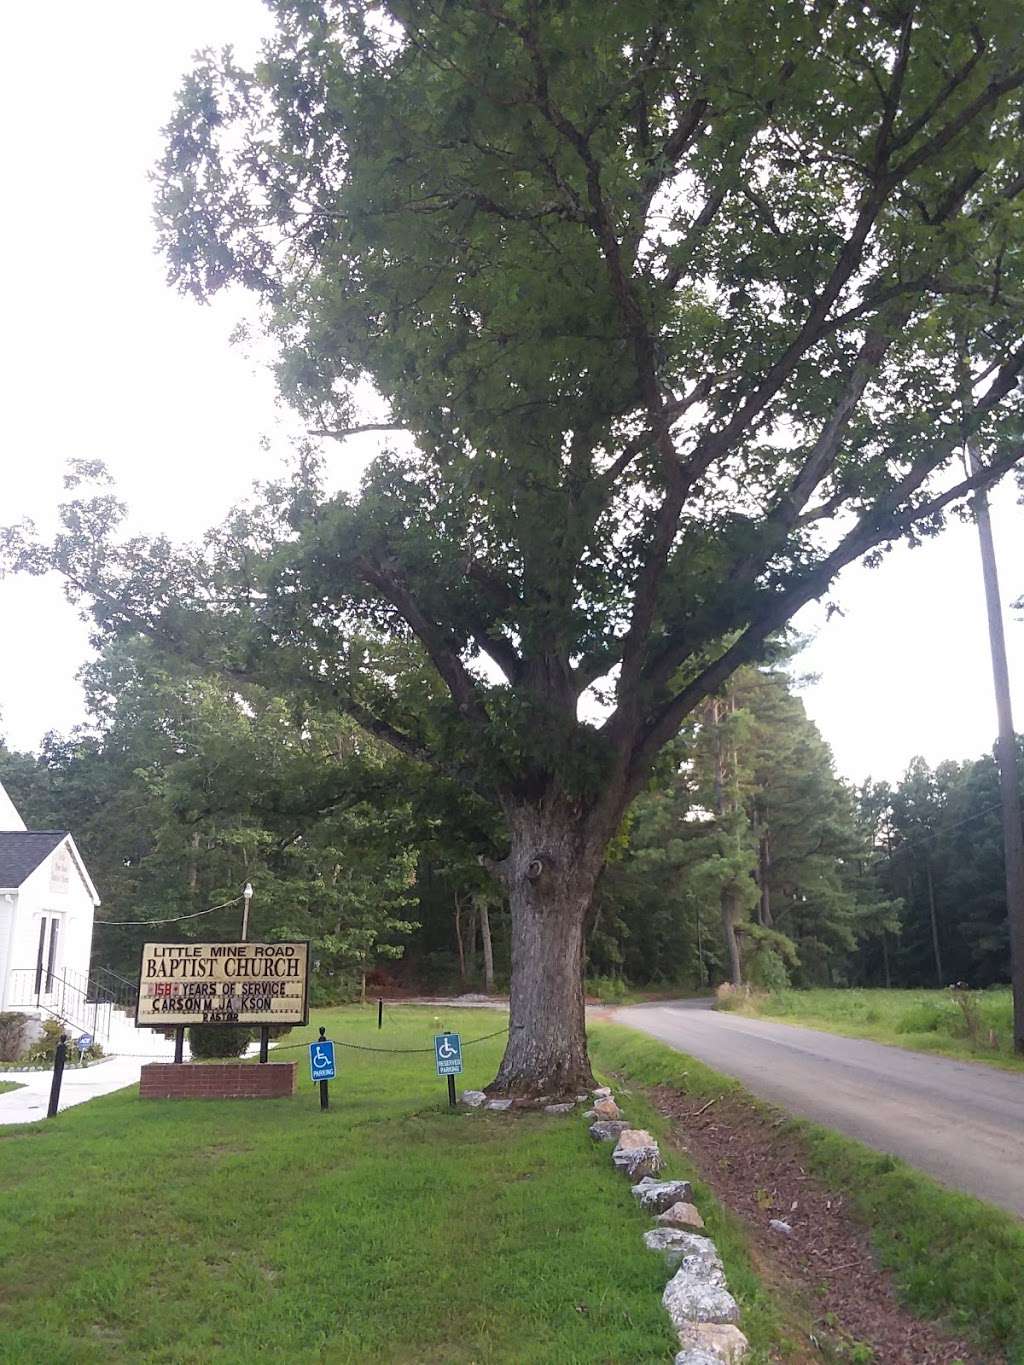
{"x":607,"y":989}
{"x":44,"y":1049}
{"x":968,"y":1024}
{"x":924,"y":1017}
{"x":334,"y":989}
{"x":730,"y":997}
{"x":765,"y":968}
{"x":218,"y":1040}
{"x":12,"y":1036}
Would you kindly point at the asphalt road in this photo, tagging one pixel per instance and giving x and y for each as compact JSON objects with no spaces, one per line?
{"x":961,"y":1122}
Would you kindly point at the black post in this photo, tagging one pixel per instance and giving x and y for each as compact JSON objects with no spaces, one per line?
{"x":179,"y":1043}
{"x":323,"y":1084}
{"x":451,"y":1091}
{"x":380,"y":1011}
{"x":58,"y":1071}
{"x":264,"y":1041}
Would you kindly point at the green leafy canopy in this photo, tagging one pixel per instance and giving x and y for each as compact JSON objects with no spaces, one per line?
{"x":685,"y":306}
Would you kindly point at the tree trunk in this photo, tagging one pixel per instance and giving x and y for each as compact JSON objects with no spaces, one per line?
{"x":549,"y":875}
{"x":458,"y":939}
{"x":730,"y":915}
{"x":1006,"y":758}
{"x":885,"y":960}
{"x":193,"y":865}
{"x":485,"y":938}
{"x":764,"y":872}
{"x":471,"y":943}
{"x":934,"y":921}
{"x":725,"y":805}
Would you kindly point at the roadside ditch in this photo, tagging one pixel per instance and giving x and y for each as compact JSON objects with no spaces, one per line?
{"x":879,"y":1264}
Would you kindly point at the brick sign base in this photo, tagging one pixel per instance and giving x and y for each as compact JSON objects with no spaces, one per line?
{"x":229,"y":1081}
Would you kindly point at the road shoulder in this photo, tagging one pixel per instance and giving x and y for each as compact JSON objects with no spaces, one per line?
{"x":888,"y":1258}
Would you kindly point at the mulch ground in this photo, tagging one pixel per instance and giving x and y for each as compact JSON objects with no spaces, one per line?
{"x":758,"y":1172}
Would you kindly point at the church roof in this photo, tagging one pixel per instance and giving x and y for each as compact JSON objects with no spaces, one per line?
{"x":21,"y":852}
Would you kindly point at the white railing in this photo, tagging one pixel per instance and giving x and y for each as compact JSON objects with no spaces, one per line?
{"x":65,"y":995}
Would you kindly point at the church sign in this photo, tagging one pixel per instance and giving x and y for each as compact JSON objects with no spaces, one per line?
{"x":250,"y":984}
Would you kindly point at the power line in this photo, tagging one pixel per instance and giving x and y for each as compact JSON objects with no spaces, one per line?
{"x":174,"y":919}
{"x":918,"y":834}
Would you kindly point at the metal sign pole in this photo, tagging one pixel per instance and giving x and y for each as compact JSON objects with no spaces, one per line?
{"x":264,"y":1041}
{"x":448,"y":1060}
{"x":179,"y":1043}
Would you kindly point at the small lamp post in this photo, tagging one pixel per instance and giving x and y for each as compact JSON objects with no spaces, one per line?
{"x":247,"y":897}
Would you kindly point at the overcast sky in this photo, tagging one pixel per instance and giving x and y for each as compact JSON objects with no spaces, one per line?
{"x":101,"y":360}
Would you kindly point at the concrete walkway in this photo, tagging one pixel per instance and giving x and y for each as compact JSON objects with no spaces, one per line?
{"x":29,"y":1102}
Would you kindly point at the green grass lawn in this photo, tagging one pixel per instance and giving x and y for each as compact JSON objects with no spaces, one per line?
{"x":923,"y":1020}
{"x":389,"y":1229}
{"x":9,"y":1085}
{"x":952,"y":1256}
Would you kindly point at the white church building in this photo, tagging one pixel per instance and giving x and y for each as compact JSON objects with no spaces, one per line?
{"x":47,"y":904}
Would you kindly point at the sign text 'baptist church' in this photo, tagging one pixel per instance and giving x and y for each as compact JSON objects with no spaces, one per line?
{"x":223,"y":983}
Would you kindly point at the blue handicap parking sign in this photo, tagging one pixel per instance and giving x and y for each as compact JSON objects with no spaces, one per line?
{"x":321,"y":1060}
{"x":448,"y":1054}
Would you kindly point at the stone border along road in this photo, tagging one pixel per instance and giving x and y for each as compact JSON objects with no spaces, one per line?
{"x":696,"y":1298}
{"x":960,"y":1122}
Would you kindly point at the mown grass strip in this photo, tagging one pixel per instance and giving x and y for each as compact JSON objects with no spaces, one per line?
{"x":921,"y":1020}
{"x":389,"y":1229}
{"x":952,"y":1256}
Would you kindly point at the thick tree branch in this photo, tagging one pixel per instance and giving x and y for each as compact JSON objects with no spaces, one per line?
{"x":443,"y":654}
{"x":342,"y":433}
{"x":681,"y":644}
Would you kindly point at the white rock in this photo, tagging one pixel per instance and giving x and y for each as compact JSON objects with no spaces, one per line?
{"x":681,"y":1215}
{"x":607,"y":1109}
{"x":472,"y":1099}
{"x":777,"y":1225}
{"x":696,"y":1355}
{"x":608,"y":1131}
{"x":603,"y":1092}
{"x":637,"y":1153}
{"x":500,"y":1105}
{"x":655,"y":1196}
{"x":678,"y":1246}
{"x":559,"y":1108}
{"x":723,"y":1342}
{"x":691,"y":1296}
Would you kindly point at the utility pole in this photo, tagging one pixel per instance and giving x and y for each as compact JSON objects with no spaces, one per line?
{"x":1006,"y":755}
{"x":247,"y":898}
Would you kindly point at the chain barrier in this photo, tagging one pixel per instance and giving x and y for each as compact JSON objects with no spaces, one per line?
{"x":361,"y":1047}
{"x":356,"y":1047}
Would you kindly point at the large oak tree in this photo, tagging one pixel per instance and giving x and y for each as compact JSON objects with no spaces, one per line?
{"x":670,"y":295}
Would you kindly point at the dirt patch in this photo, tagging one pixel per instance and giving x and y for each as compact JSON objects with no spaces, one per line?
{"x":756,"y":1169}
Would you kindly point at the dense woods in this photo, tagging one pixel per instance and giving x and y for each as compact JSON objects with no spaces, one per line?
{"x":745,"y":857}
